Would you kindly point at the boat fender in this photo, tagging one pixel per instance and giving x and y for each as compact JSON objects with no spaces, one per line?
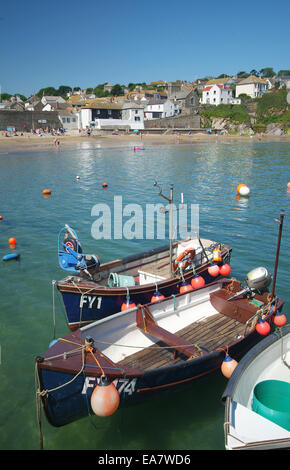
{"x":11,"y":256}
{"x":187,"y":256}
{"x":105,"y":398}
{"x":228,"y":366}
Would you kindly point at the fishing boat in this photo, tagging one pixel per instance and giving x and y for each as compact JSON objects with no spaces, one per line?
{"x":257,"y":397}
{"x":153,"y":348}
{"x":94,"y":290}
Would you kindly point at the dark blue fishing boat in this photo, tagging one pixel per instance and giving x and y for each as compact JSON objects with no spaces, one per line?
{"x":94,"y":290}
{"x":149,"y":349}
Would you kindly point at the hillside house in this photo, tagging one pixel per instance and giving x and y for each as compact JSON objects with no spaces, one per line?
{"x":218,"y":94}
{"x":252,"y":86}
{"x":156,"y":109}
{"x":186,"y":99}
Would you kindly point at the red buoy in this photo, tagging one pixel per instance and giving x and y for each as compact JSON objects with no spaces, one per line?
{"x":279,"y":319}
{"x":185,"y":287}
{"x":128,"y":304}
{"x":225,"y":269}
{"x":228,"y":366}
{"x":12,"y":242}
{"x":105,"y":398}
{"x":197,"y":282}
{"x":157,"y":296}
{"x":213,"y":270}
{"x":105,"y":185}
{"x":262,"y":327}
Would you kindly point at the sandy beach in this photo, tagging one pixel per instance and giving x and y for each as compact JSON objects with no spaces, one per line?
{"x":34,"y":142}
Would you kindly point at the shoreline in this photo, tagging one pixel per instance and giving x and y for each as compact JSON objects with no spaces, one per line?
{"x":34,"y":142}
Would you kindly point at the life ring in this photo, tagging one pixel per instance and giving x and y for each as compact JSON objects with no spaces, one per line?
{"x":188,"y":255}
{"x":73,"y":244}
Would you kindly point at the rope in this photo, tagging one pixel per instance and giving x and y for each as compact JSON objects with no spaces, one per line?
{"x":283,"y":354}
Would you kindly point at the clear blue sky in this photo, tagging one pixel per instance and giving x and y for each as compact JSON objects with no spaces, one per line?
{"x":84,"y":44}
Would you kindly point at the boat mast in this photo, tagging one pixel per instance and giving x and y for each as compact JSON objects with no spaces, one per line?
{"x":170,"y":200}
{"x":280,"y":221}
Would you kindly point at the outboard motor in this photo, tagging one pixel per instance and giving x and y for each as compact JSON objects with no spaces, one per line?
{"x":92,"y":263}
{"x":257,"y":280}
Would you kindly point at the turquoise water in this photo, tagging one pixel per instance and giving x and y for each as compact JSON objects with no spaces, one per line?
{"x":207,"y":174}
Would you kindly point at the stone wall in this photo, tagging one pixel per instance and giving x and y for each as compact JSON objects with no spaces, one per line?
{"x":27,"y":120}
{"x":178,"y":122}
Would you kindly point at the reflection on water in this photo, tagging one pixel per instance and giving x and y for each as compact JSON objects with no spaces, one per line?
{"x":207,"y":175}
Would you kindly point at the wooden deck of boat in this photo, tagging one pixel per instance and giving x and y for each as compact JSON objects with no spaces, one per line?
{"x":207,"y":334}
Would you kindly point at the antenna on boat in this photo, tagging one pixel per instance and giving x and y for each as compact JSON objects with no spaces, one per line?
{"x":280,"y":222}
{"x":170,"y":200}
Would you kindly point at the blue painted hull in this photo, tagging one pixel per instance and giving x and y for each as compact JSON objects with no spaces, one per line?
{"x":72,"y":402}
{"x":98,"y":303}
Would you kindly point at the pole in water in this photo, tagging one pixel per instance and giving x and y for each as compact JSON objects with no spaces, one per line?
{"x":280,"y":221}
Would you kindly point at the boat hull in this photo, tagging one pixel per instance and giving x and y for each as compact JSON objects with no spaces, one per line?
{"x":72,"y":401}
{"x":85,"y":302}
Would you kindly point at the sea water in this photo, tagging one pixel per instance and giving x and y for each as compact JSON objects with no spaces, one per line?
{"x":207,"y":174}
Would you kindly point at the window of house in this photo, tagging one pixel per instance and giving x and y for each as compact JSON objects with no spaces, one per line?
{"x":214,"y":100}
{"x":222,"y":99}
{"x":207,"y":92}
{"x":109,"y":112}
{"x":98,"y":111}
{"x":214,"y":92}
{"x":73,"y":119}
{"x":68,"y":119}
{"x":63,"y":119}
{"x":137,"y":118}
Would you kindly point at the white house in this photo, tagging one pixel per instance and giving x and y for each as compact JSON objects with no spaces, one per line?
{"x":110,"y":116}
{"x":252,"y":86}
{"x":218,"y":94}
{"x":156,"y":109}
{"x":69,"y":119}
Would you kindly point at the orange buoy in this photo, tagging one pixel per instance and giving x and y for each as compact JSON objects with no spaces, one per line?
{"x":197,"y":282}
{"x":225,"y":269}
{"x":128,"y":304}
{"x":1,"y":217}
{"x":243,"y":190}
{"x":288,"y":185}
{"x":228,"y":366}
{"x":185,"y":287}
{"x":279,"y":319}
{"x":157,"y":296}
{"x":262,"y":327}
{"x":105,"y":185}
{"x":12,"y":242}
{"x":105,"y":398}
{"x":213,"y":270}
{"x":46,"y":191}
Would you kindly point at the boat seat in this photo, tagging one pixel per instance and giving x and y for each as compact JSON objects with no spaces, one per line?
{"x":147,"y":324}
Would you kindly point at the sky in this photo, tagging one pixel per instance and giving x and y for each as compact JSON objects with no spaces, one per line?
{"x":88,"y":43}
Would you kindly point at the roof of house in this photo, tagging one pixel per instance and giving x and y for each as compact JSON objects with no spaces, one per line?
{"x":222,"y":87}
{"x":216,"y":81}
{"x":97,"y":104}
{"x":251,"y":79}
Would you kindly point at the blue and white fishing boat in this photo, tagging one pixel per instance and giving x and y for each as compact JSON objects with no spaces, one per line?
{"x":149,"y":349}
{"x":94,"y":290}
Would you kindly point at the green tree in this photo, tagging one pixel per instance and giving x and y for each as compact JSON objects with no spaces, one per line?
{"x":282,"y":73}
{"x":117,"y":90}
{"x":49,"y":91}
{"x":5,"y":96}
{"x":267,"y":72}
{"x":63,"y":90}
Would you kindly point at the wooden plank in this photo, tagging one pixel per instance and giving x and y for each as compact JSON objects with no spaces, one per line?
{"x":146,"y":323}
{"x":216,"y":331}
